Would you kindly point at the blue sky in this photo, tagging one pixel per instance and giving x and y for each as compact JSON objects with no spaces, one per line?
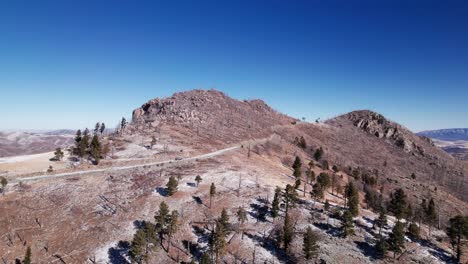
{"x":69,"y":64}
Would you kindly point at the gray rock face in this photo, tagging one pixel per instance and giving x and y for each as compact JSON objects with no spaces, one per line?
{"x":377,"y":125}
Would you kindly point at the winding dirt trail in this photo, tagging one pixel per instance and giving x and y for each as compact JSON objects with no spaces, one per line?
{"x":119,"y":168}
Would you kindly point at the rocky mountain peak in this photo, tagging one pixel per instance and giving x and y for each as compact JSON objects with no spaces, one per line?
{"x":379,"y":126}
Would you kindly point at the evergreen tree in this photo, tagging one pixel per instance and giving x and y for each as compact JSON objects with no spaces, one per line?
{"x":347,"y":223}
{"x":457,"y":232}
{"x":27,"y":256}
{"x":218,"y":241}
{"x":297,"y":184}
{"x":198,"y":179}
{"x":381,"y":247}
{"x":103,"y":128}
{"x":212,"y":192}
{"x":143,"y":242}
{"x":172,"y":226}
{"x":289,"y":197}
{"x":317,"y":192}
{"x":381,"y":222}
{"x":326,"y":206}
{"x":241,"y":218}
{"x":310,"y":176}
{"x":324,"y":180}
{"x":76,"y":149}
{"x":302,"y":143}
{"x":97,"y":127}
{"x":58,"y":154}
{"x":431,"y":214}
{"x":297,"y":167}
{"x":162,"y":217}
{"x":275,"y":203}
{"x":396,"y":239}
{"x":398,"y":204}
{"x":205,"y":259}
{"x":84,"y":144}
{"x":96,"y":149}
{"x":172,"y":185}
{"x":288,"y":231}
{"x":224,"y":220}
{"x":309,"y":245}
{"x":123,"y":125}
{"x":413,"y":230}
{"x":3,"y":182}
{"x":318,"y":154}
{"x":352,"y":197}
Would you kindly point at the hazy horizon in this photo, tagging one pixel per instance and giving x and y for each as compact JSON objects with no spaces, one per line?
{"x":70,"y":65}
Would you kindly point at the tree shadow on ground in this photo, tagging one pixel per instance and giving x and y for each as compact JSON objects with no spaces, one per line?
{"x":191,"y":184}
{"x":259,"y":212}
{"x":269,"y":244}
{"x":437,"y":252}
{"x":118,"y":254}
{"x":162,"y":191}
{"x":367,"y":249}
{"x":193,"y":249}
{"x":329,"y":229}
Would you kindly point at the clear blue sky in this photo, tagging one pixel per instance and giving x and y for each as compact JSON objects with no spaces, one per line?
{"x":68,"y":64}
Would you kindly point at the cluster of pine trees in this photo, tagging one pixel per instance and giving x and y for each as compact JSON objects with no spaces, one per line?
{"x":87,"y":146}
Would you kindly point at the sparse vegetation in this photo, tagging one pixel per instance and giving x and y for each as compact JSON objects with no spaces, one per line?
{"x":58,"y":154}
{"x":172,"y":185}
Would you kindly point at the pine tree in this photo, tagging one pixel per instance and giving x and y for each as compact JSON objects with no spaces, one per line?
{"x":413,"y":230}
{"x":103,"y":128}
{"x":352,"y":197}
{"x":381,"y":222}
{"x":318,"y":154}
{"x":212,"y":192}
{"x":224,"y":220}
{"x":96,"y":128}
{"x":324,"y":180}
{"x":309,"y":245}
{"x":347,"y":223}
{"x":3,"y":182}
{"x":162,"y":217}
{"x":381,"y":247}
{"x":172,"y":226}
{"x":317,"y":192}
{"x":288,"y":231}
{"x":241,"y":218}
{"x":297,"y":167}
{"x":297,"y":184}
{"x":431,"y":214}
{"x":123,"y":125}
{"x":275,"y":203}
{"x":198,"y":179}
{"x":218,"y":241}
{"x":396,"y":239}
{"x":144,"y":240}
{"x":205,"y":259}
{"x":290,"y":197}
{"x":58,"y":154}
{"x":78,"y":138}
{"x":171,"y":186}
{"x":397,"y":204}
{"x":302,"y":143}
{"x":96,"y":149}
{"x":84,"y":144}
{"x":27,"y":257}
{"x":457,"y":232}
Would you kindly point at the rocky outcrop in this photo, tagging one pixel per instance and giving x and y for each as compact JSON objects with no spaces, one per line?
{"x":377,"y":125}
{"x":209,"y":109}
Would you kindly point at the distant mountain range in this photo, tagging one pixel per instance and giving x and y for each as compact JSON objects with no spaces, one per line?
{"x":451,"y":134}
{"x":452,"y":140}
